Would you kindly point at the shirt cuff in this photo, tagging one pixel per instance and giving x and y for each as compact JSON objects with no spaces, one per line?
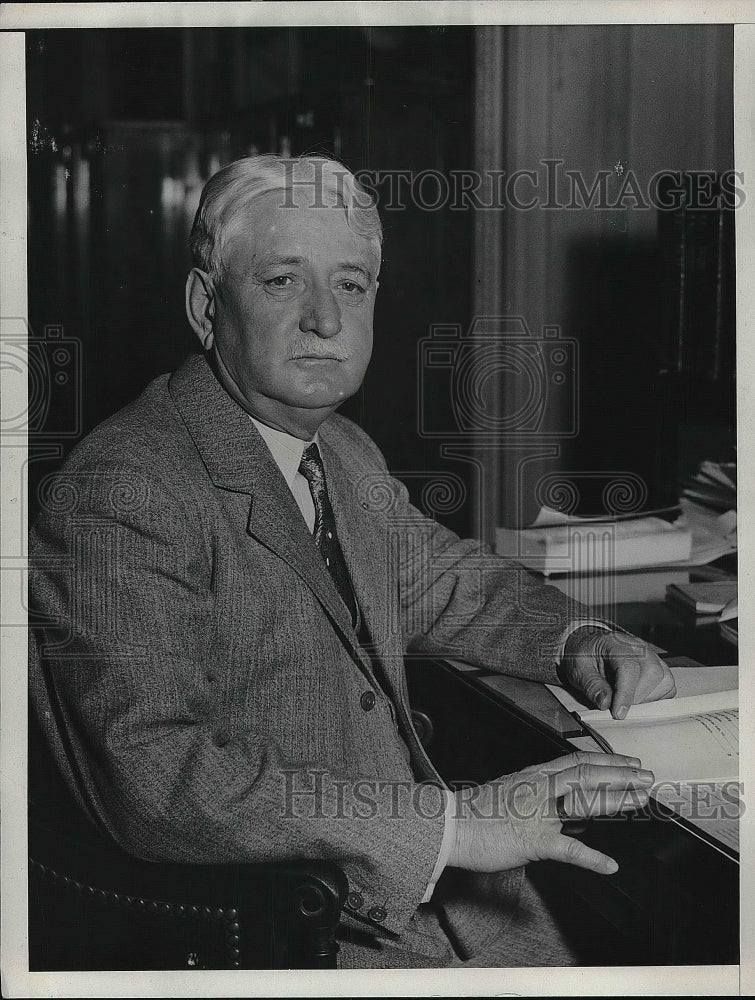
{"x":446,"y":845}
{"x":570,"y":629}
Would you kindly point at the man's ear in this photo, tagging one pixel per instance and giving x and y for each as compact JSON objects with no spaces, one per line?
{"x":200,"y":305}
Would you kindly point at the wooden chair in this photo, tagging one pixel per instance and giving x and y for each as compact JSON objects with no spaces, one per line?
{"x":94,"y":907}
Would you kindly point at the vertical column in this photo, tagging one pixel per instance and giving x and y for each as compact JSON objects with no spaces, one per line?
{"x":488,"y":262}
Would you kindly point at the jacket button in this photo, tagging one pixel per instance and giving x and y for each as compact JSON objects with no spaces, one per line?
{"x":355,"y":900}
{"x":367,"y":701}
{"x":377,"y":913}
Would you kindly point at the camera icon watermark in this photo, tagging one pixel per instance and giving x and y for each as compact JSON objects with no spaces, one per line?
{"x":41,"y":378}
{"x":497,"y":381}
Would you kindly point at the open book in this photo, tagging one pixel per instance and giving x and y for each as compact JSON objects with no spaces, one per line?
{"x":690,"y":742}
{"x":691,"y":738}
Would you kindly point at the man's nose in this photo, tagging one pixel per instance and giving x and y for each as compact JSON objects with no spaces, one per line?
{"x":321,"y":314}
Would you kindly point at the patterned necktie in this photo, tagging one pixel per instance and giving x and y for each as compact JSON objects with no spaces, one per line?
{"x":325,"y":528}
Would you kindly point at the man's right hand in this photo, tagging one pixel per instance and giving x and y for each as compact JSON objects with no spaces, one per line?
{"x":518,"y":818}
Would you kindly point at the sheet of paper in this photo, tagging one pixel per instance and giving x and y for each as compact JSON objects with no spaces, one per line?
{"x":703,"y":747}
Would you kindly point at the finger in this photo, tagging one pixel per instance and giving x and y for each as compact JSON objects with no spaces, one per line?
{"x":592,"y":684}
{"x":584,"y":778}
{"x":573,"y":852}
{"x":627,"y":676}
{"x":582,"y":757}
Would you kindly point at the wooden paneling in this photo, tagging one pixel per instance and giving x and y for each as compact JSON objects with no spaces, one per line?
{"x":601,"y":98}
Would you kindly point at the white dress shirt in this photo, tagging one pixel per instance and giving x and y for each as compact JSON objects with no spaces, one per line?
{"x":287,"y":451}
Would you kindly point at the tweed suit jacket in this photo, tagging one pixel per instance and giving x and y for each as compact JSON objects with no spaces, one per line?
{"x":198,"y":678}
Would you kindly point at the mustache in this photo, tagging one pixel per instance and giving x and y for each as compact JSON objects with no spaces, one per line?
{"x":304,"y":347}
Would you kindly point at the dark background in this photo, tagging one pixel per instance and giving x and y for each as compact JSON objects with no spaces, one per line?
{"x":125,"y":127}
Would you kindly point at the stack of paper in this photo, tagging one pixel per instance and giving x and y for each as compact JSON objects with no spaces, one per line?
{"x":713,"y":535}
{"x":729,"y":622}
{"x":583,"y":545}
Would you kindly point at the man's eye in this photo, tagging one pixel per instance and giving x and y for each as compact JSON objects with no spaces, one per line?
{"x":280,"y":281}
{"x":352,"y":286}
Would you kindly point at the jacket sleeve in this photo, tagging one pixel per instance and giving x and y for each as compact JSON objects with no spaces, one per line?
{"x":120,"y":585}
{"x":461,"y":600}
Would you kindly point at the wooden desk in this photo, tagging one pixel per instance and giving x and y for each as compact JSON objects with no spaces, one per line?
{"x":674,"y":900}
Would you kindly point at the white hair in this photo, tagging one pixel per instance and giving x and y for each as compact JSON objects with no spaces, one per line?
{"x":307,"y":181}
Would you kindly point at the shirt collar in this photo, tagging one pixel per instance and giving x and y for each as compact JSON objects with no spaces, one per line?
{"x":285,"y":449}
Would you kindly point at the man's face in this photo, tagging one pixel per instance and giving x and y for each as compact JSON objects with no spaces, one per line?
{"x":293,"y":314}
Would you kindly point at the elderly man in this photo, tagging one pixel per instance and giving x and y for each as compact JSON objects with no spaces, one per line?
{"x":234,"y":584}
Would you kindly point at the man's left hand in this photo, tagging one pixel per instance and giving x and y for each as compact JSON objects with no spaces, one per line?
{"x":614,"y":671}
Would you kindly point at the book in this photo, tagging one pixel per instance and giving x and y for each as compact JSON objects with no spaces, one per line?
{"x":709,"y":496}
{"x":697,"y":255}
{"x":690,"y":738}
{"x":693,"y":739}
{"x":729,"y":610}
{"x":708,"y":597}
{"x":690,"y":743}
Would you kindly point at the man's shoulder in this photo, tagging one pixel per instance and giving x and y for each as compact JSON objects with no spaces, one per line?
{"x":138,"y":463}
{"x":146,"y":429}
{"x":350,"y":441}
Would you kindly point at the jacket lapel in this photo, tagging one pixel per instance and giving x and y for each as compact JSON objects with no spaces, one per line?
{"x":238,"y":460}
{"x":367,"y":548}
{"x":365,"y":541}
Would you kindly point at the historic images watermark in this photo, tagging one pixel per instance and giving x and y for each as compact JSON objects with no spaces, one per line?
{"x":314,"y":793}
{"x":549,"y":185}
{"x":42,"y":373}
